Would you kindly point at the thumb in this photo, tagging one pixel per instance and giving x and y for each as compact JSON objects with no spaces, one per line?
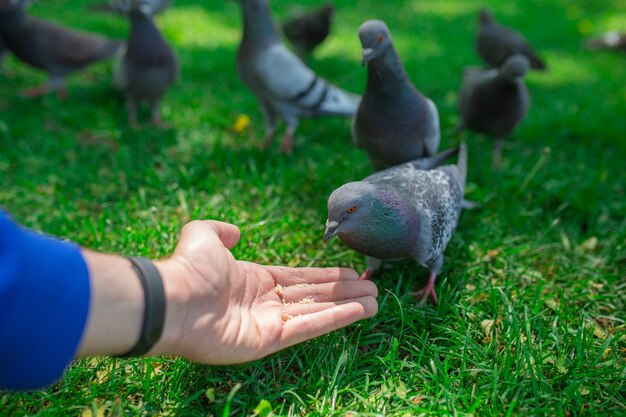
{"x":228,"y":233}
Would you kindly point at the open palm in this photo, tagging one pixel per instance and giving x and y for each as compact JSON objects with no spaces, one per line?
{"x":238,"y":311}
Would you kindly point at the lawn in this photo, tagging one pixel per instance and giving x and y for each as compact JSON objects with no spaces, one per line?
{"x":532,"y":313}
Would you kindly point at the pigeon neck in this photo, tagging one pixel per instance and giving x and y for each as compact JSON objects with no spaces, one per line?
{"x":386,"y":72}
{"x":258,"y":26}
{"x":146,"y":44}
{"x":141,"y":24}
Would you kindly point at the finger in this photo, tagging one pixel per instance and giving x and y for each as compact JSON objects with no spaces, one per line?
{"x":228,"y":233}
{"x":298,"y":309}
{"x":309,"y":326}
{"x":290,"y":276}
{"x":331,"y":291}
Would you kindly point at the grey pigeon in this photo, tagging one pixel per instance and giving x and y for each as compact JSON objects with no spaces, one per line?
{"x":609,"y":40}
{"x":51,"y":47}
{"x":407,"y":211}
{"x":308,"y":30}
{"x":123,"y":6}
{"x":495,"y":43}
{"x":494,"y":101}
{"x":395,"y":123}
{"x":284,"y":86}
{"x":147,"y":65}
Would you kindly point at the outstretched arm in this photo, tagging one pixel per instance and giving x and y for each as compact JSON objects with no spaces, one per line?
{"x":220,"y":310}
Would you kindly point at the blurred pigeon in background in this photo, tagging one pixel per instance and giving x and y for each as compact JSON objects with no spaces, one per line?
{"x":609,"y":40}
{"x":495,"y":43}
{"x":494,"y":101}
{"x":306,"y":31}
{"x":123,"y":6}
{"x":395,"y":123}
{"x":146,"y":66}
{"x":284,"y":86}
{"x":51,"y":47}
{"x":407,"y":211}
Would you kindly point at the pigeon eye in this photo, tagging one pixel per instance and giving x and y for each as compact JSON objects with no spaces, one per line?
{"x":380,"y":38}
{"x":351,"y":209}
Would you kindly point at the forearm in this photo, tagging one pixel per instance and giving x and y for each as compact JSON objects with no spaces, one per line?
{"x":117,"y":307}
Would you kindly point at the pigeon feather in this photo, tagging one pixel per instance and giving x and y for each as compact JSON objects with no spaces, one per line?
{"x":284,"y":86}
{"x":308,"y":30}
{"x":494,"y":101}
{"x":496,"y":42}
{"x":395,"y":123}
{"x":147,"y":66}
{"x":54,"y":48}
{"x":401,"y":212}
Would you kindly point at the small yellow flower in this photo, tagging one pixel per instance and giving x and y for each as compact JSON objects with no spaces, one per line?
{"x":241,"y":123}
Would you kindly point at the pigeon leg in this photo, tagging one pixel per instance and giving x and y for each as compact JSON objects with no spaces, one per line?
{"x":269,"y":118}
{"x":156,"y":115}
{"x":131,"y":108}
{"x":497,"y":152}
{"x":55,"y":83}
{"x":35,"y":92}
{"x":372,"y":265}
{"x":287,"y":145}
{"x":428,"y":290}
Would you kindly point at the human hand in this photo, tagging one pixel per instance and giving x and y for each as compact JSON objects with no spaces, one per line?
{"x":224,"y":311}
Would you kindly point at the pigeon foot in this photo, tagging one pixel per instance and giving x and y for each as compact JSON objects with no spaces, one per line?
{"x":428,"y":291}
{"x":287,"y":145}
{"x":35,"y":92}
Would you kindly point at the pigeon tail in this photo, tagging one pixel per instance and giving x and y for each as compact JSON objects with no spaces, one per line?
{"x":335,"y":101}
{"x":535,"y":62}
{"x":434,"y":161}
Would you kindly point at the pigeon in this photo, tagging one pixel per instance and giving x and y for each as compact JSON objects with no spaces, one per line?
{"x":494,"y":101}
{"x":609,"y":40}
{"x":123,"y":7}
{"x":395,"y":123}
{"x":51,"y":47}
{"x":307,"y":31}
{"x":495,"y":43}
{"x":284,"y":86}
{"x":146,"y":66}
{"x":407,"y":211}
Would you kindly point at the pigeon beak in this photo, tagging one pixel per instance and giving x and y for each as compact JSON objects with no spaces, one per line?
{"x":367,"y":55}
{"x":331,"y":230}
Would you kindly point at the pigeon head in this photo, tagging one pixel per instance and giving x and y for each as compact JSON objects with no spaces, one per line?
{"x":485,"y":17}
{"x":349,"y":207}
{"x":375,"y":39}
{"x":515,"y":68}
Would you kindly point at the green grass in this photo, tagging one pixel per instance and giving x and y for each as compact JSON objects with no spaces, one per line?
{"x":531,"y":319}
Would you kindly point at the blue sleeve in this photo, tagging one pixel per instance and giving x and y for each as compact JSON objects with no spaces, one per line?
{"x":44,"y":302}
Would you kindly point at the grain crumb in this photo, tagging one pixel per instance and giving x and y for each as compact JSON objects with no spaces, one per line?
{"x":279,"y":290}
